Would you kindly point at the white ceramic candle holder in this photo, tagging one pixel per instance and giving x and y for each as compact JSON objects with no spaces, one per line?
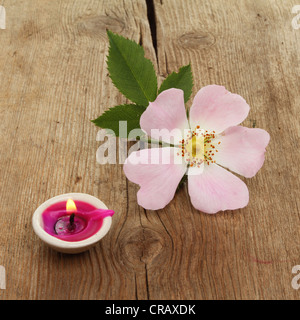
{"x":68,"y":246}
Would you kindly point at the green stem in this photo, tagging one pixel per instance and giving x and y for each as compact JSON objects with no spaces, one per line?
{"x":149,"y":140}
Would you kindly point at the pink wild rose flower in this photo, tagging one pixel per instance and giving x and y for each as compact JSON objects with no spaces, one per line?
{"x":201,"y":148}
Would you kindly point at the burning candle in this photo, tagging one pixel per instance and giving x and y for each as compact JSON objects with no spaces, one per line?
{"x":72,"y":223}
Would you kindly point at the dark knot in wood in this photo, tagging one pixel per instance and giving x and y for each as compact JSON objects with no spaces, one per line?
{"x":142,"y":246}
{"x":93,"y":25}
{"x":197,"y":40}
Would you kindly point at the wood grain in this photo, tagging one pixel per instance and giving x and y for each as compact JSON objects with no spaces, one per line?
{"x":251,"y":49}
{"x":54,"y":80}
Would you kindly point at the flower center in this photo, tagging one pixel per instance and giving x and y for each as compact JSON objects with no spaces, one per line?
{"x":198,"y":147}
{"x":195,"y":146}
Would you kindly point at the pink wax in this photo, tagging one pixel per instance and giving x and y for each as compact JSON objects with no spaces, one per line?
{"x":87,"y":221}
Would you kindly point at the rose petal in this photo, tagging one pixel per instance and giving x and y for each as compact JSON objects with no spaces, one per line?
{"x":217,"y":189}
{"x":158,"y":171}
{"x":216,"y":109}
{"x":165,"y":114}
{"x":242,"y":150}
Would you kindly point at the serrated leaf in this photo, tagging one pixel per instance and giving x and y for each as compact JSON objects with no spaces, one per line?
{"x":126,"y":112}
{"x":183,"y":79}
{"x":130,"y":71}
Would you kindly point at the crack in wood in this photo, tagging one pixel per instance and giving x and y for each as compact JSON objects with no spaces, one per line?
{"x":152,"y":23}
{"x":147,"y":282}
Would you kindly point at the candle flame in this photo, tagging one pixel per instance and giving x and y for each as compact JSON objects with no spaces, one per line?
{"x":70,"y":206}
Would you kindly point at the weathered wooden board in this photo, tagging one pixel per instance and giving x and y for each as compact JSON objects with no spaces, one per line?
{"x":53,"y":80}
{"x":251,"y":48}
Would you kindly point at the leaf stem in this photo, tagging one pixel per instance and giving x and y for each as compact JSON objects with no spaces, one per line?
{"x":149,"y":140}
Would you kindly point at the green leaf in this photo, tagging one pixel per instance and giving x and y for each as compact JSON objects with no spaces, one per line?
{"x":126,"y":112}
{"x":130,"y":71}
{"x":181,"y":80}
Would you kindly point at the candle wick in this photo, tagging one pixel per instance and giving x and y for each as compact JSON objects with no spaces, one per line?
{"x":71,"y":225}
